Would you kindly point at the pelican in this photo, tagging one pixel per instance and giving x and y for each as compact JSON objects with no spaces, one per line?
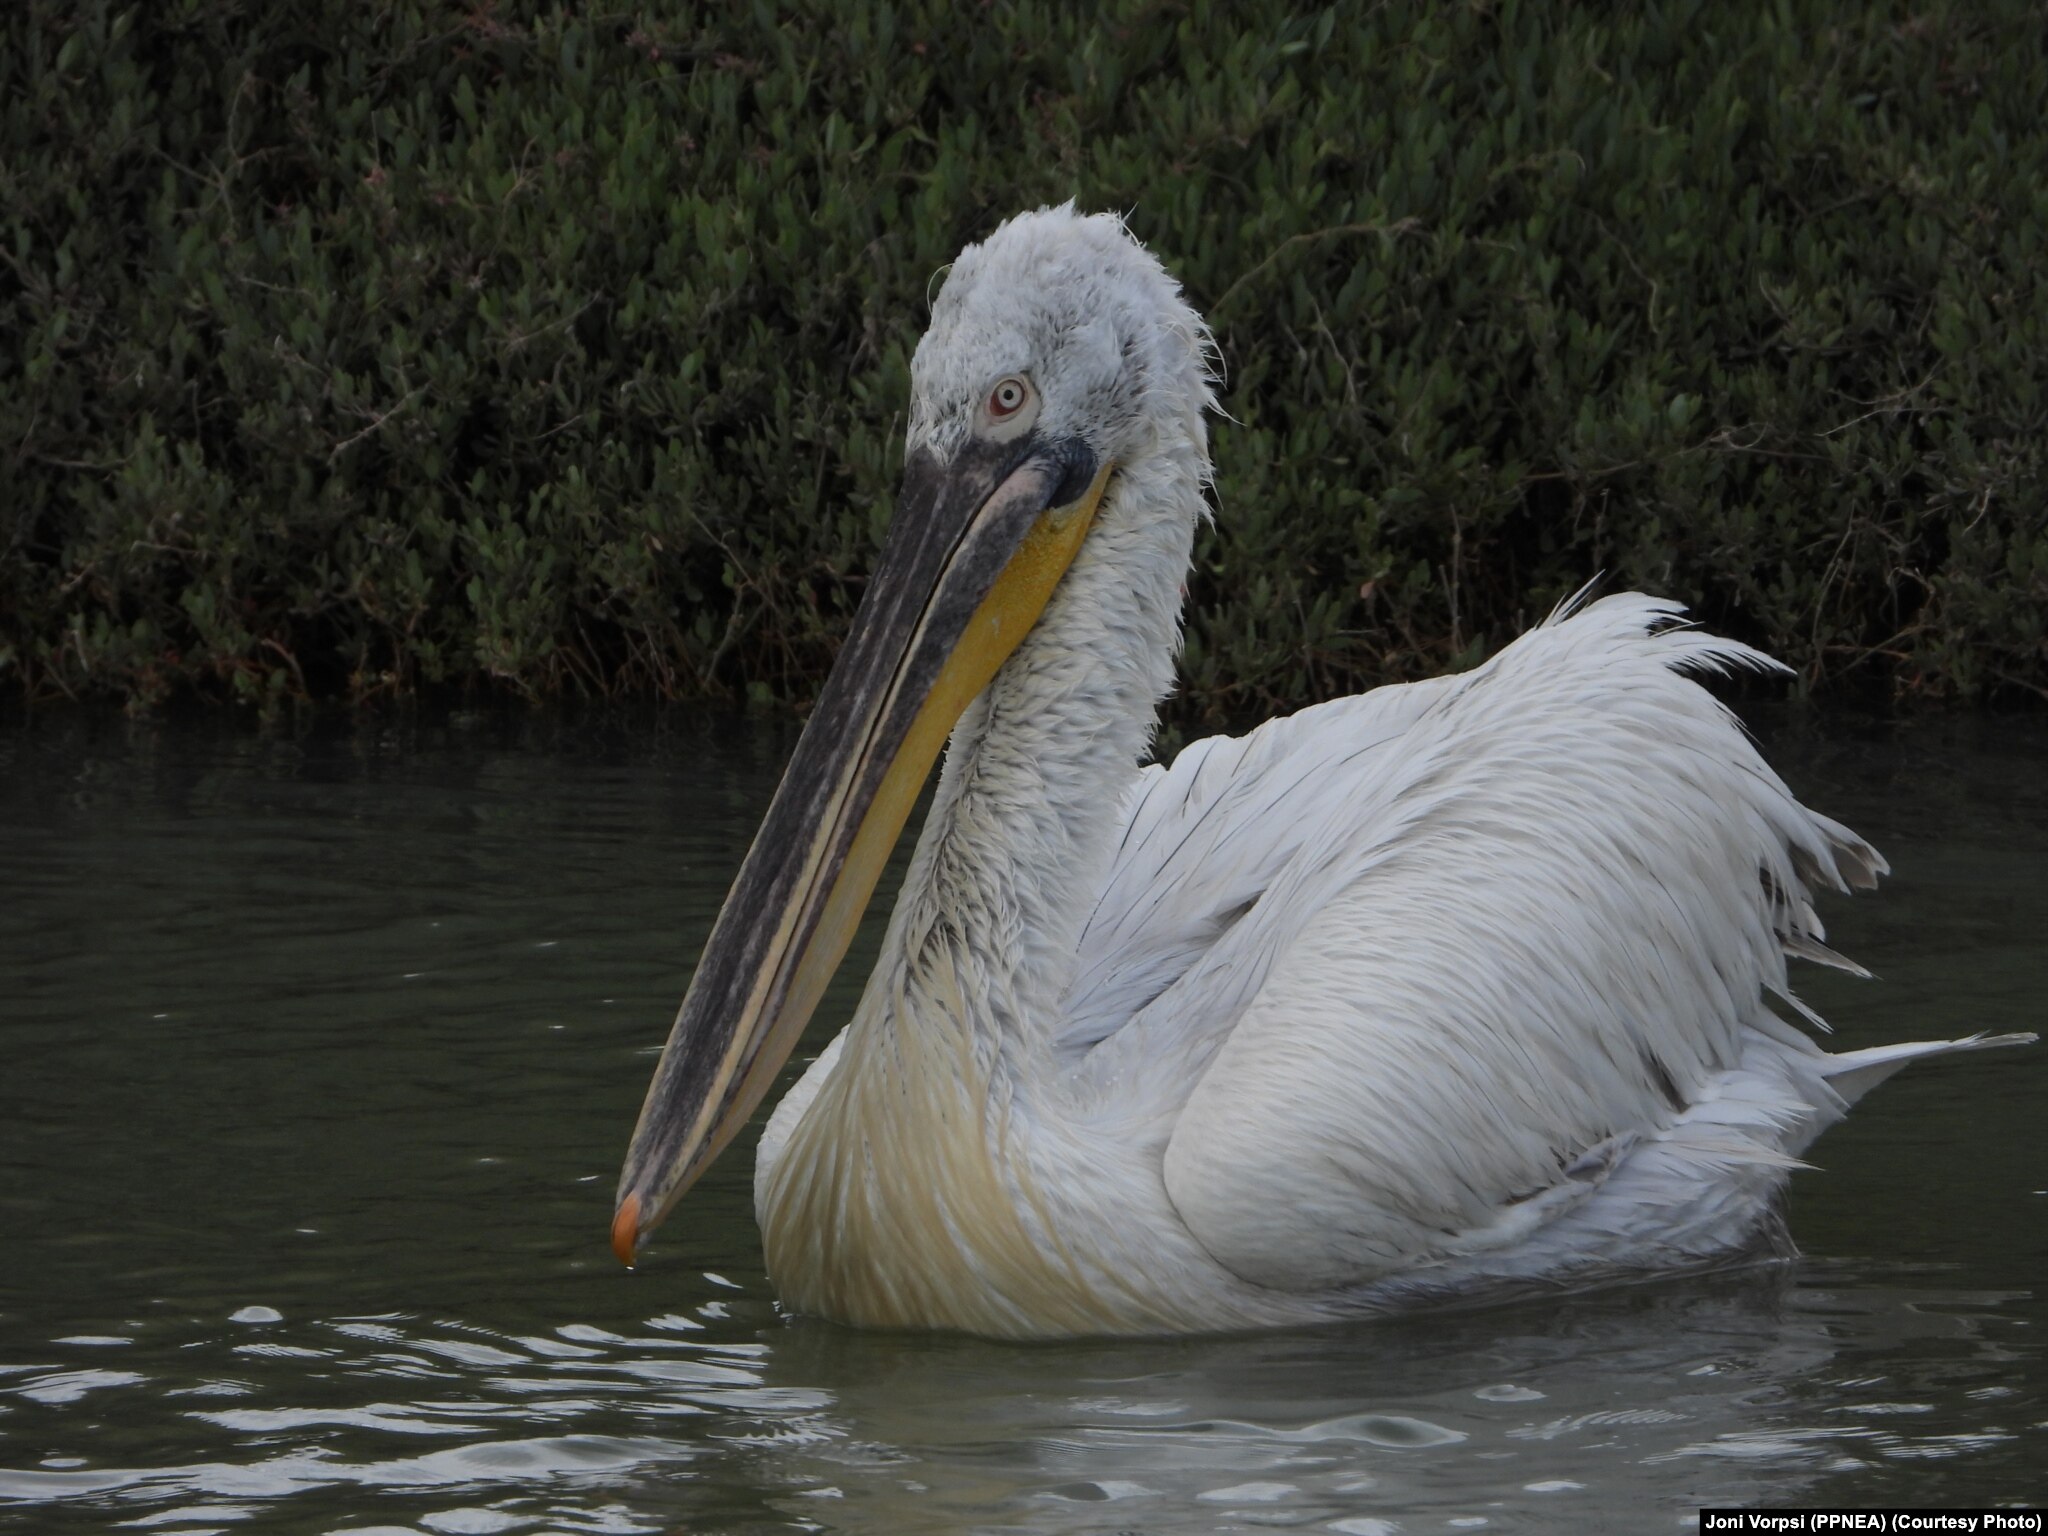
{"x":1437,"y":992}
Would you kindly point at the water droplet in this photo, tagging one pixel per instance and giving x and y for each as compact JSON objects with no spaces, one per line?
{"x":1507,"y":1392}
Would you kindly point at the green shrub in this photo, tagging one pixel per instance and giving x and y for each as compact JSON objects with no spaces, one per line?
{"x":349,"y":350}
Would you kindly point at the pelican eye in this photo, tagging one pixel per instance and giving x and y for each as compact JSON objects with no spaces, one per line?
{"x":1010,"y":409}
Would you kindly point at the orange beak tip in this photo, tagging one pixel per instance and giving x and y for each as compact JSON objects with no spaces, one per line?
{"x":626,"y":1229}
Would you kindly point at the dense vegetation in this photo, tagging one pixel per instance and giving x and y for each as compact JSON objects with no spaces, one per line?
{"x":347,"y":350}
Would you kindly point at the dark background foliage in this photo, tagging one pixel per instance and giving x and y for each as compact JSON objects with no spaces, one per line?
{"x":356,"y":349}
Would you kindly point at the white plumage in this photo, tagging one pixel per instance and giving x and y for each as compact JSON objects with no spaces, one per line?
{"x":1410,"y":996}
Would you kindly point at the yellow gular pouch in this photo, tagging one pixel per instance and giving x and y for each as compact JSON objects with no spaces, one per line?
{"x":999,"y":625}
{"x":1018,"y":597}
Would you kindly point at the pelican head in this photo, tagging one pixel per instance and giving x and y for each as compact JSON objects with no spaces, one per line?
{"x":1061,"y":361}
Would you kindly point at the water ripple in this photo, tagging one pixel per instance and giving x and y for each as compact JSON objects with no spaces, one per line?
{"x":320,"y":1050}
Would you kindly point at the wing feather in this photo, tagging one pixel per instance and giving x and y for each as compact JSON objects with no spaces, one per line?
{"x":1455,"y":938}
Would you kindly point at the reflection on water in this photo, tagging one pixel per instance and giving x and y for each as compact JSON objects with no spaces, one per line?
{"x":1641,"y":1404}
{"x":320,"y":1054}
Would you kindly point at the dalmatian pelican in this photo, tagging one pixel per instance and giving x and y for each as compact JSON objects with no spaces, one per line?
{"x":1441,"y":990}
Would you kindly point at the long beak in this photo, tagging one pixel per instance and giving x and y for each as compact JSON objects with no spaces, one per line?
{"x":973,"y":555}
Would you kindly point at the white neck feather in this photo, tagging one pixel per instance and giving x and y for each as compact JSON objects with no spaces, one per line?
{"x":901,"y":1195}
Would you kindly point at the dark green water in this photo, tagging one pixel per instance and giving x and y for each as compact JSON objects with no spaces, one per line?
{"x":317,"y":1057}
